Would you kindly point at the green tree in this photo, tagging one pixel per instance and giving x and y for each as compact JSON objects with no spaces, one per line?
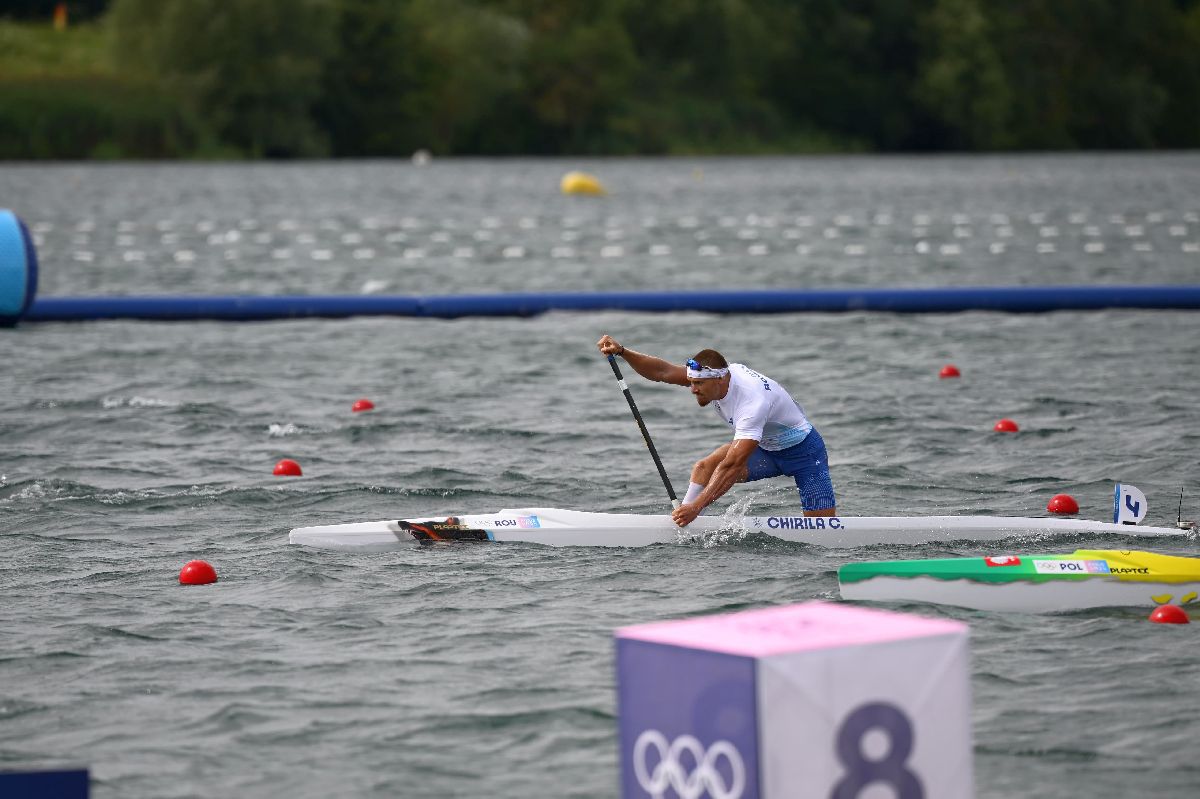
{"x":851,"y":69}
{"x":579,"y":74}
{"x":1100,"y":73}
{"x":475,"y":57}
{"x":375,"y":95}
{"x":961,"y":81}
{"x":701,"y":71}
{"x":252,"y":68}
{"x":386,"y":77}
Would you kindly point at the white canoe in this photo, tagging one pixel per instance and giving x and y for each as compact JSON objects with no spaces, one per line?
{"x":557,"y":527}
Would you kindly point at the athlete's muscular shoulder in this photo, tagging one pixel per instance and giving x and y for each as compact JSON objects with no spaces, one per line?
{"x":762,"y":380}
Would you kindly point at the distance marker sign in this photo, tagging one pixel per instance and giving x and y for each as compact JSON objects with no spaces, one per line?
{"x":812,"y":700}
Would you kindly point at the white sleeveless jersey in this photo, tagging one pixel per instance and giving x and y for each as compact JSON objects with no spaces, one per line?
{"x":758,"y":408}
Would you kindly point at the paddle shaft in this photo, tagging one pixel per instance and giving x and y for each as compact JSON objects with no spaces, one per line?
{"x":612,"y":361}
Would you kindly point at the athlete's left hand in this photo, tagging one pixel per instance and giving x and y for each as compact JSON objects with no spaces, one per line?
{"x":609,"y":345}
{"x":685,"y":514}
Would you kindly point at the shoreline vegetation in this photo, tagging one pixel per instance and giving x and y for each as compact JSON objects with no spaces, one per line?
{"x":250,"y":79}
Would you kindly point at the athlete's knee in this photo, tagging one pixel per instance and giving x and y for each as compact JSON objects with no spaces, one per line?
{"x":816,"y":495}
{"x":703,"y":468}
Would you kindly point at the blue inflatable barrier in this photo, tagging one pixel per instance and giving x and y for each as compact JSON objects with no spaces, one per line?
{"x":229,"y":308}
{"x":1012,"y":299}
{"x":18,"y":268}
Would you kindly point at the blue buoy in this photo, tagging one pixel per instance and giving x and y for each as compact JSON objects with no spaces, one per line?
{"x":18,"y":268}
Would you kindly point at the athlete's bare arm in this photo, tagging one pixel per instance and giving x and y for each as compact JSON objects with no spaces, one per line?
{"x":648,"y":366}
{"x":731,"y":470}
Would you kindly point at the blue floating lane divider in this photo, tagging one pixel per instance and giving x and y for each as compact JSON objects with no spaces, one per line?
{"x":222,"y":308}
{"x":18,"y":268}
{"x":1009,"y":299}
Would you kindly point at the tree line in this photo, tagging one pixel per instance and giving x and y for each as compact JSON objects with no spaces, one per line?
{"x":355,"y":78}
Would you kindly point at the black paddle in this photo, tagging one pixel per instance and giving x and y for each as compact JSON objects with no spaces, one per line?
{"x":612,"y":361}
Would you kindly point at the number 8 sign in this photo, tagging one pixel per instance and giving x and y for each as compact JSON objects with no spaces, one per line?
{"x":892,"y":769}
{"x":829,"y":701}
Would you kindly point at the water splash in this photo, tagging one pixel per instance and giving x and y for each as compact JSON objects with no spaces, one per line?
{"x":281,"y":430}
{"x":108,"y":403}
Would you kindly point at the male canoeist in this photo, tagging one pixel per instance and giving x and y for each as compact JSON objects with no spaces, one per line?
{"x":771,"y":434}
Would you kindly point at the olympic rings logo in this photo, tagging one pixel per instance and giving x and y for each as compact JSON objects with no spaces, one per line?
{"x":701,"y":780}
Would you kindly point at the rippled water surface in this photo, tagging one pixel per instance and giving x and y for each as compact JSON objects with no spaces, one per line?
{"x":127,"y":449}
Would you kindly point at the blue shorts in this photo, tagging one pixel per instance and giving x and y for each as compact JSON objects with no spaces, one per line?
{"x":807,"y":462}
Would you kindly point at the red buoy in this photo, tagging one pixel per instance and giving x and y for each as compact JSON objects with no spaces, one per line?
{"x":1169,"y":614}
{"x":1063,"y":503}
{"x":363,"y":404}
{"x":949,"y":370}
{"x":287,"y":468}
{"x":1006,"y":426}
{"x":197,"y":572}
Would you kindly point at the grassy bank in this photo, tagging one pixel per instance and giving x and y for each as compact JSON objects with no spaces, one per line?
{"x":37,"y":51}
{"x":63,"y":97}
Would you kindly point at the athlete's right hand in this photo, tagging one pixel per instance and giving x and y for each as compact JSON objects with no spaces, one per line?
{"x":685,"y":514}
{"x":609,"y":346}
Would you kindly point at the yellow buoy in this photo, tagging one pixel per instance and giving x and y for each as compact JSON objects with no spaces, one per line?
{"x":581,"y":183}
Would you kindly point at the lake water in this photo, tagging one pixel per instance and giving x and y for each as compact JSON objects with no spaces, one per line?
{"x":130,"y":448}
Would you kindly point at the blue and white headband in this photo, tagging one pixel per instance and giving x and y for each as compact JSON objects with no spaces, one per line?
{"x":697,"y":371}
